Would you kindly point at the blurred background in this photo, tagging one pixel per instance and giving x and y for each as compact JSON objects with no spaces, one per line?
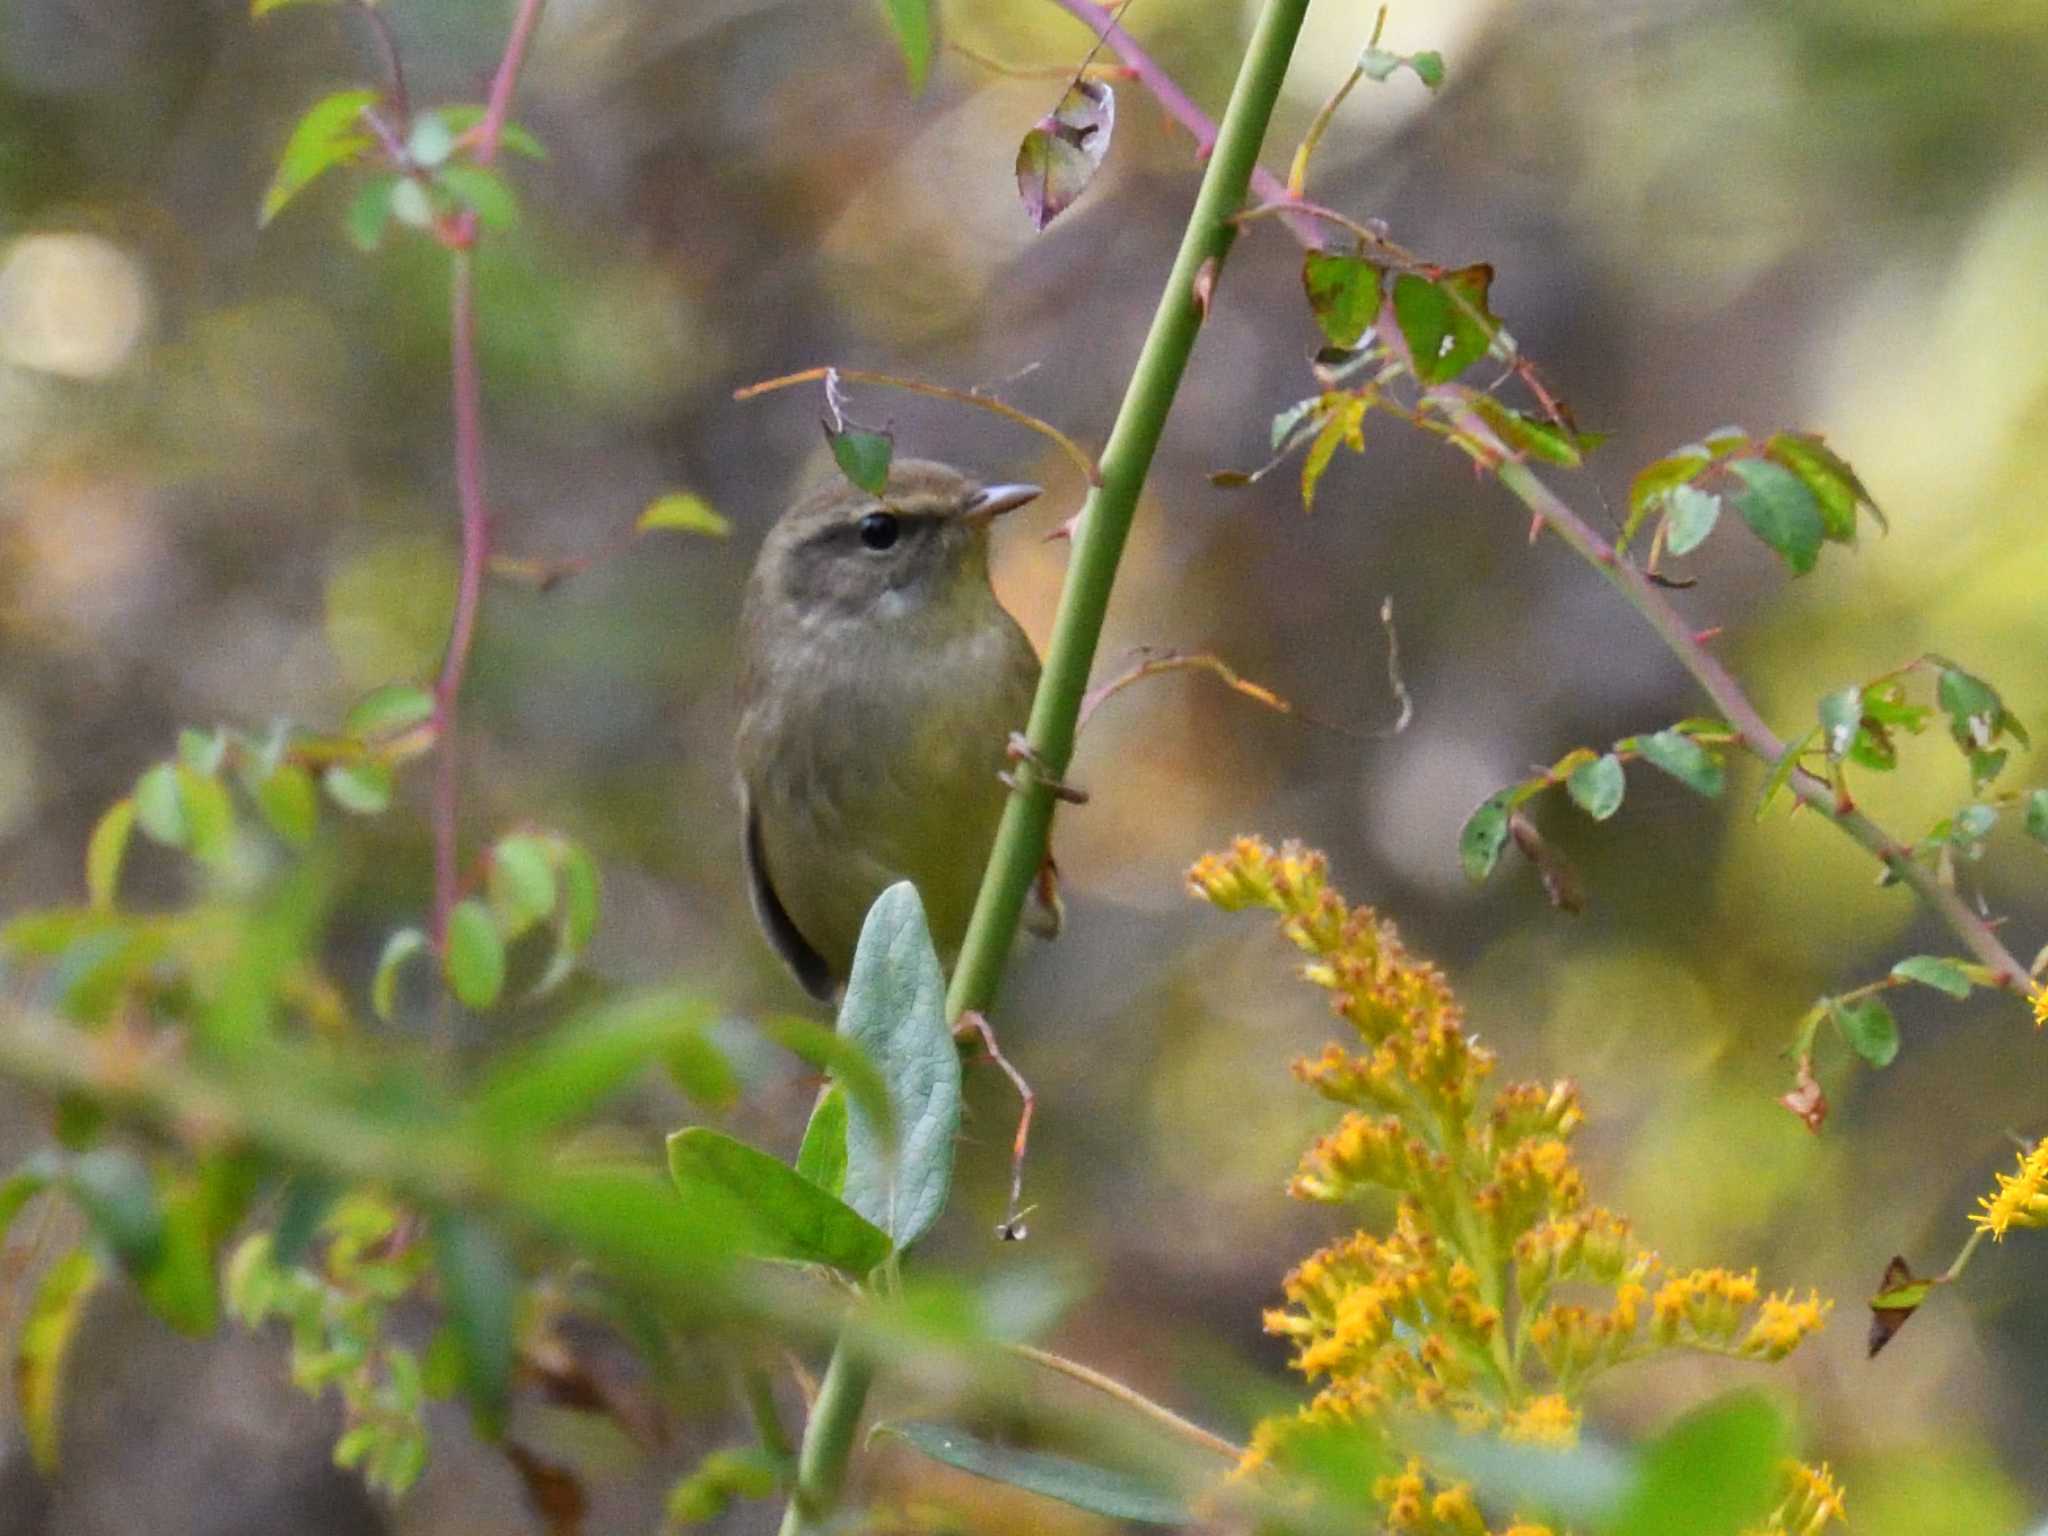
{"x":226,"y":496}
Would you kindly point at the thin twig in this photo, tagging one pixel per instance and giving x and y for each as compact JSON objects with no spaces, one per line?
{"x":1109,"y":1386}
{"x":394,"y":66}
{"x":1067,"y":445}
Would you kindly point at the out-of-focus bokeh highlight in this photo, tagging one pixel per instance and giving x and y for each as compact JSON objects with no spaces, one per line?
{"x":226,"y":495}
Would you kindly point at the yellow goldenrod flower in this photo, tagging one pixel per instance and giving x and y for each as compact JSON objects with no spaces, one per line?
{"x":1782,"y":1324}
{"x":1546,"y":1420}
{"x":2040,"y":1002}
{"x":2019,"y":1200}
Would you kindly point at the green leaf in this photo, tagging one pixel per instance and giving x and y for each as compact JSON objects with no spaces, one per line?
{"x":1689,"y":516}
{"x":46,"y":1334}
{"x":576,"y":874}
{"x":1685,"y":760}
{"x":483,"y":192}
{"x":1658,"y":478}
{"x":1783,"y":769}
{"x":330,"y":134}
{"x":684,"y":513}
{"x":398,"y":949}
{"x":1780,"y":510}
{"x":180,"y":1286}
{"x":1977,"y":719}
{"x":1343,"y":422}
{"x":388,"y":711}
{"x":863,"y":456}
{"x":1713,"y":1473}
{"x":1869,"y":1028}
{"x":461,"y":118}
{"x":1828,"y":475}
{"x":209,"y":814}
{"x":202,"y":751}
{"x":822,"y":1157}
{"x":1597,"y":787}
{"x":1058,"y":158}
{"x":1936,"y":971}
{"x":1099,"y":1490}
{"x":1445,"y":336}
{"x":1534,"y":436}
{"x":521,"y":883}
{"x":566,"y":1075}
{"x":1344,"y":294}
{"x":261,"y":8}
{"x":480,"y":1289}
{"x":362,"y":787}
{"x":290,"y":804}
{"x":1484,"y":835}
{"x":475,"y":962}
{"x":114,"y":1192}
{"x":105,"y":850}
{"x":2037,"y":815}
{"x":911,"y":21}
{"x":1841,"y":717}
{"x":1428,"y":66}
{"x":793,"y":1218}
{"x":369,"y":211}
{"x":843,"y":1061}
{"x":159,"y":808}
{"x":895,"y":1010}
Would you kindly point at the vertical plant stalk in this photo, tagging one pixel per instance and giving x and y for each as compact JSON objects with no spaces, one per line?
{"x":467,"y":379}
{"x":1105,"y":519}
{"x":1098,"y":544}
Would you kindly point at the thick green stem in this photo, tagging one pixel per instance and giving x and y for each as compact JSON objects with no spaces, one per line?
{"x":828,"y":1439}
{"x":1098,"y":545}
{"x":1106,"y":517}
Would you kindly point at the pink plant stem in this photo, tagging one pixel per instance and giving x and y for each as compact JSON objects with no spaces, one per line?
{"x":1719,"y":684}
{"x":499,"y":106}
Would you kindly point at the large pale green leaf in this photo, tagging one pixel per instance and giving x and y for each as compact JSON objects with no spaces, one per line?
{"x":1099,"y":1490}
{"x":895,"y":1011}
{"x":1713,"y":1473}
{"x":792,"y":1217}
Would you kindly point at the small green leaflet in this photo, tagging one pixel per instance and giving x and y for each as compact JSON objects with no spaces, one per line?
{"x":1869,"y":1028}
{"x":475,"y":961}
{"x":1597,"y":787}
{"x":1936,"y":971}
{"x":1484,"y":835}
{"x":1344,"y":294}
{"x":330,"y":134}
{"x":1689,"y":516}
{"x":683,"y":512}
{"x":862,"y":456}
{"x":1685,"y":760}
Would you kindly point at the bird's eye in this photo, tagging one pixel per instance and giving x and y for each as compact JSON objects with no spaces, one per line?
{"x":878,"y":530}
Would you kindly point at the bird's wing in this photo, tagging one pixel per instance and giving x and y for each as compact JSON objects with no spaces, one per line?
{"x":808,"y":965}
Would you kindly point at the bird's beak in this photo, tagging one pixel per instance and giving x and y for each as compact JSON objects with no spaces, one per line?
{"x":993,"y":501}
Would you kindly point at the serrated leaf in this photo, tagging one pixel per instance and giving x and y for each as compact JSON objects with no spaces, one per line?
{"x":863,"y":456}
{"x":1828,"y":475}
{"x":475,"y":961}
{"x":1841,"y":717}
{"x":1689,"y":516}
{"x":481,"y":1294}
{"x":895,"y":1011}
{"x":521,"y":883}
{"x":822,"y":1157}
{"x":330,"y":134}
{"x":1936,"y":971}
{"x":46,"y":1334}
{"x":388,"y":711}
{"x":1693,"y":765}
{"x":290,"y":804}
{"x":683,"y":513}
{"x":1485,"y":835}
{"x":105,"y":850}
{"x":159,"y":808}
{"x":1099,"y":1490}
{"x":1534,"y":436}
{"x":1344,"y":295}
{"x":793,"y":1218}
{"x":362,"y":787}
{"x":1597,"y":787}
{"x":1343,"y":424}
{"x":483,"y":192}
{"x":1060,"y":156}
{"x":399,"y":948}
{"x":1780,"y":510}
{"x":1445,"y":336}
{"x":1869,"y":1028}
{"x":911,"y":21}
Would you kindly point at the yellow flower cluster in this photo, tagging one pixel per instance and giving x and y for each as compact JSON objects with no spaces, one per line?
{"x":2021,"y":1199}
{"x":1456,"y":1312}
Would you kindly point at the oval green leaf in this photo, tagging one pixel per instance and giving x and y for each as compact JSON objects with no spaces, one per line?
{"x":521,"y":883}
{"x":1597,"y":787}
{"x":1484,"y":835}
{"x":105,"y":850}
{"x":1780,"y":510}
{"x":475,"y":962}
{"x":398,"y":949}
{"x":388,"y":711}
{"x":1936,"y":971}
{"x":362,"y":787}
{"x":1693,"y":765}
{"x":1869,"y":1028}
